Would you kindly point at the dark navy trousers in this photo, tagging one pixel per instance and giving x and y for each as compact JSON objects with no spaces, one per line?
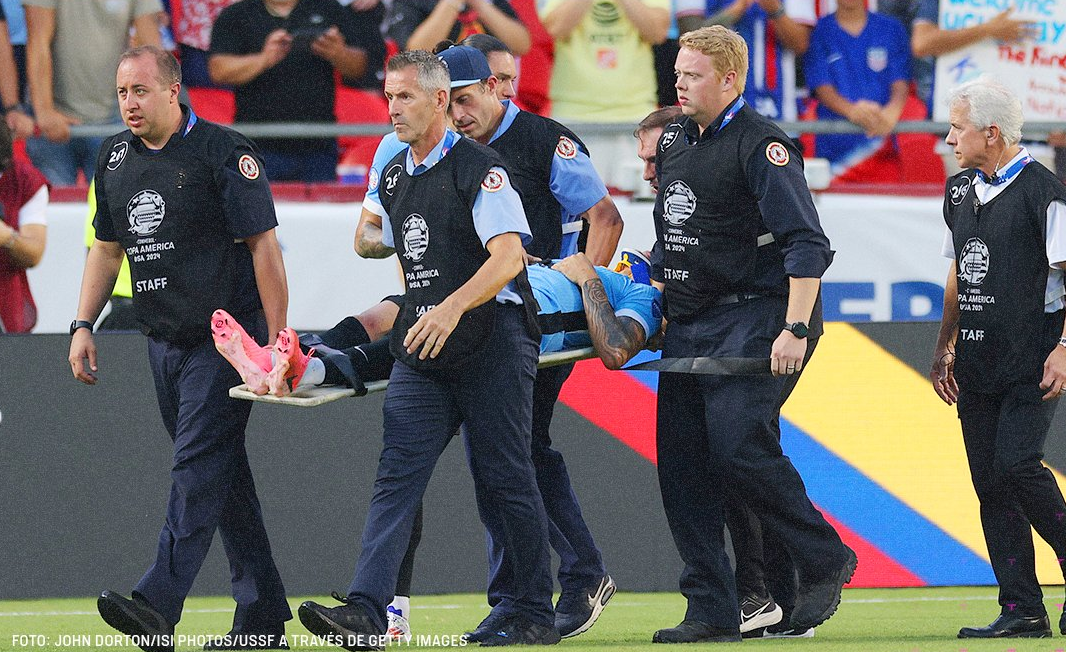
{"x":491,"y":396}
{"x":580,"y":561}
{"x":757,"y":551}
{"x":1004,"y":436}
{"x":212,"y":488}
{"x":715,"y":433}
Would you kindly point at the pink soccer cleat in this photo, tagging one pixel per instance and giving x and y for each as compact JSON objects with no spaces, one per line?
{"x":290,"y":364}
{"x":251,"y":361}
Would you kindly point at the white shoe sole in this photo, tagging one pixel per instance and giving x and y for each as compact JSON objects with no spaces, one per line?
{"x":808,"y":633}
{"x":763,"y":620}
{"x":603,"y":595}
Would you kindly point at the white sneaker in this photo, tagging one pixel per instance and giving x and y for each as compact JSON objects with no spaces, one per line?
{"x":789,"y":633}
{"x":399,"y":629}
{"x":756,"y":612}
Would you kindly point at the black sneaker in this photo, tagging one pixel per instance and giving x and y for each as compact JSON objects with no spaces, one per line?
{"x":235,"y":640}
{"x":348,"y":626}
{"x":518,"y":630}
{"x":1062,"y":621}
{"x":485,"y":628}
{"x":695,"y":631}
{"x":151,"y":631}
{"x":758,"y":613}
{"x":577,"y":613}
{"x":815,"y":603}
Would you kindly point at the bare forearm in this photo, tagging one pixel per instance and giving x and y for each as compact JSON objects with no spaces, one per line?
{"x":368,"y":236}
{"x":832,"y":100}
{"x":605,"y":228}
{"x":9,"y":81}
{"x":236,"y":70}
{"x":929,"y":40}
{"x":802,"y":295}
{"x":794,"y":36}
{"x":351,"y":64}
{"x":652,"y":23}
{"x":562,"y":21}
{"x":506,"y":261}
{"x":39,"y":76}
{"x":25,"y":247}
{"x":615,"y":339}
{"x":949,"y":321}
{"x":146,"y":30}
{"x":436,"y":27}
{"x":509,"y":30}
{"x":270,"y":279}
{"x":98,"y":280}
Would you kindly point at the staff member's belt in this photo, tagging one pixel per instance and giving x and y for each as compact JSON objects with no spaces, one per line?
{"x":737,"y":297}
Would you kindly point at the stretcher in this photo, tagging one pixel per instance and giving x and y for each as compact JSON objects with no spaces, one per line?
{"x":314,"y":396}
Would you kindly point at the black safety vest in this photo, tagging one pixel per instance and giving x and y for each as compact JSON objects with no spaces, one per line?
{"x":528,"y":146}
{"x":439,"y":250}
{"x":166,"y":211}
{"x":706,"y":216}
{"x":1002,"y":267}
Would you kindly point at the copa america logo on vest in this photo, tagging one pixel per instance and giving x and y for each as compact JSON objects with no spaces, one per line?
{"x":145,"y":212}
{"x":415,"y":237}
{"x":973,"y":261}
{"x":679,"y":202}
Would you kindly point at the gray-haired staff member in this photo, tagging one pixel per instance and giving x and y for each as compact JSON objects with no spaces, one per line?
{"x":1001,"y":352}
{"x":186,"y":201}
{"x":727,"y":178}
{"x":465,"y":354}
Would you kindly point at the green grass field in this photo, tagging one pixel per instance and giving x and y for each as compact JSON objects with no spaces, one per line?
{"x":896,"y":620}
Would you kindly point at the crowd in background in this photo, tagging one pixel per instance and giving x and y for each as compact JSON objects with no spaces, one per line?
{"x":869,"y":62}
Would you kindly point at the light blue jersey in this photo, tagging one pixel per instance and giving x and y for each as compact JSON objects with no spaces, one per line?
{"x":388,"y":148}
{"x":557,"y":294}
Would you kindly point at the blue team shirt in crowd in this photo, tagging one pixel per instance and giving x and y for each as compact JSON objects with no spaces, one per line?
{"x":556,"y":293}
{"x":574,"y":183}
{"x":862,"y":67}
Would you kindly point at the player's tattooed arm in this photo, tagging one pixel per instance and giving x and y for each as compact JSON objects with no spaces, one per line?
{"x":615,"y":339}
{"x":368,"y":235}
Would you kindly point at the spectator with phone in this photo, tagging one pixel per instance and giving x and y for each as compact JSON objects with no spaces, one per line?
{"x":280,"y":57}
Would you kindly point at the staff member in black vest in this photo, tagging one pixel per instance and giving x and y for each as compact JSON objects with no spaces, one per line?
{"x":187,"y":202}
{"x":1001,"y":352}
{"x":465,"y":354}
{"x":549,"y":166}
{"x":730,"y":180}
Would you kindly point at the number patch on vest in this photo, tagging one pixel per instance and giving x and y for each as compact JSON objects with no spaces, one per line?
{"x":777,"y":154}
{"x":248,"y":167}
{"x":118,"y":154}
{"x":959,"y":191}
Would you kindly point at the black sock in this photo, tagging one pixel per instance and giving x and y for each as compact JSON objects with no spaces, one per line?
{"x":372,"y":361}
{"x":348,"y":333}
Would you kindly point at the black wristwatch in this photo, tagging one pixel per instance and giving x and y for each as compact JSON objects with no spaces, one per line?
{"x":799,"y":329}
{"x":80,"y":323}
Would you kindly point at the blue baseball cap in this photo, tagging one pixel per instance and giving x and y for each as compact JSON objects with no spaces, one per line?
{"x":466,"y":65}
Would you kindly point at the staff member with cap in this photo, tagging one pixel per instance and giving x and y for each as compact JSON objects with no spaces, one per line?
{"x":1001,"y":351}
{"x":465,"y":354}
{"x":740,"y":250}
{"x":187,"y":202}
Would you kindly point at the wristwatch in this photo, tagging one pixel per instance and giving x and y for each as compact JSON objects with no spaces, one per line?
{"x":799,"y":329}
{"x":80,"y":323}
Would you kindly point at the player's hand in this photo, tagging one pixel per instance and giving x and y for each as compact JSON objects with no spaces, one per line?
{"x":787,"y":353}
{"x":531,"y":259}
{"x":432,"y":329}
{"x":942,"y":374}
{"x":55,"y":125}
{"x":277,"y":46}
{"x":1004,"y":28}
{"x":82,"y":349}
{"x":20,"y":124}
{"x":1054,"y":380}
{"x":330,"y":45}
{"x":578,"y":268}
